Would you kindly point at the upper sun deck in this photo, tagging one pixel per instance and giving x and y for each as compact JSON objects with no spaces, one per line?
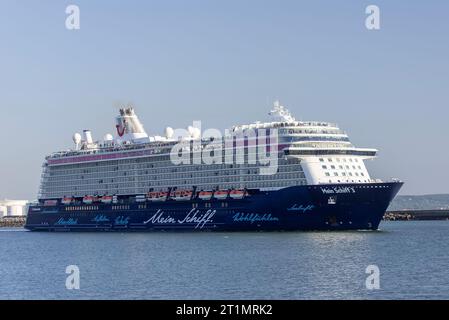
{"x":131,"y":135}
{"x":284,"y":124}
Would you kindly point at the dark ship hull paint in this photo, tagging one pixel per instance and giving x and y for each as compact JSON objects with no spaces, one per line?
{"x":315,"y":207}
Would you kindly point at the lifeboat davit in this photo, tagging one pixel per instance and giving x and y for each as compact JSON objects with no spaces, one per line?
{"x":237,"y":194}
{"x":221,"y":194}
{"x":106,"y":199}
{"x":67,"y":200}
{"x":205,"y":195}
{"x":157,"y":196}
{"x":181,"y":195}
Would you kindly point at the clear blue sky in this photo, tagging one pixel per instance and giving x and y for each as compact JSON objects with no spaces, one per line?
{"x":223,"y":62}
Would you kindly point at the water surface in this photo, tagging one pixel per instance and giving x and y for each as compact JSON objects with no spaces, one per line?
{"x":413,"y":258}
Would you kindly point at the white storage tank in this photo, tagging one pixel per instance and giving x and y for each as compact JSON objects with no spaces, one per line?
{"x":10,"y":208}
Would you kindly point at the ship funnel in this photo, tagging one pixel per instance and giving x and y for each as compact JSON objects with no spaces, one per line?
{"x":88,"y":137}
{"x":129,"y":127}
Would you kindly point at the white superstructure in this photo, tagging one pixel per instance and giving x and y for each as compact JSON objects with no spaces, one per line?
{"x":134,"y":163}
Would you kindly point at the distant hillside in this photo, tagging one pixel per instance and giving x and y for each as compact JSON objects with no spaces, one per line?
{"x":425,"y":202}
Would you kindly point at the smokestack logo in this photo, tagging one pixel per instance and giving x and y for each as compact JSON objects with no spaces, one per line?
{"x":120,"y":129}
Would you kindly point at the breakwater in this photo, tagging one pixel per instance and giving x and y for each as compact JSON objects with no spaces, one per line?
{"x":12,"y":222}
{"x":417,"y":215}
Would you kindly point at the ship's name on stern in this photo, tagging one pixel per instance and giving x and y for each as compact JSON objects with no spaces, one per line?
{"x":336,"y":190}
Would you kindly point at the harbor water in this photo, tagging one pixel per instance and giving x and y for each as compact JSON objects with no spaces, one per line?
{"x":412,"y":258}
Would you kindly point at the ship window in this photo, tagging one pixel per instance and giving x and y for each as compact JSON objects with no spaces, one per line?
{"x":324,"y":167}
{"x":336,"y":174}
{"x":361,"y":173}
{"x":330,"y":159}
{"x":332,"y":167}
{"x":327,"y":174}
{"x":321,"y":160}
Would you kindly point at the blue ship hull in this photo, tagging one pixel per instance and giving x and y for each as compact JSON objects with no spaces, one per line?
{"x":315,"y":207}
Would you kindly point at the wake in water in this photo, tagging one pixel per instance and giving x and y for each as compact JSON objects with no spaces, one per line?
{"x":13,"y":230}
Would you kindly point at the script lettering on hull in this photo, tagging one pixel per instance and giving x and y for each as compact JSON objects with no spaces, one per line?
{"x":193,"y":216}
{"x":302,"y":208}
{"x":253,"y":217}
{"x":65,"y":222}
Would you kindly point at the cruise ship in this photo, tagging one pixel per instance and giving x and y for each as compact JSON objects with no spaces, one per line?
{"x":281,"y":174}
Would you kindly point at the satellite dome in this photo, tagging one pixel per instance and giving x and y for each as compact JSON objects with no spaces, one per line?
{"x":77,"y":138}
{"x":196,"y":133}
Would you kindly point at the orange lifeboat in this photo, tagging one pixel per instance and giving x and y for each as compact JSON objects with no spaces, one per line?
{"x":157,"y":196}
{"x":221,"y":194}
{"x":89,"y":199}
{"x":205,"y":195}
{"x":49,"y":203}
{"x":106,"y":199}
{"x":182,"y":195}
{"x":67,"y":200}
{"x":152,"y":195}
{"x":237,"y":194}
